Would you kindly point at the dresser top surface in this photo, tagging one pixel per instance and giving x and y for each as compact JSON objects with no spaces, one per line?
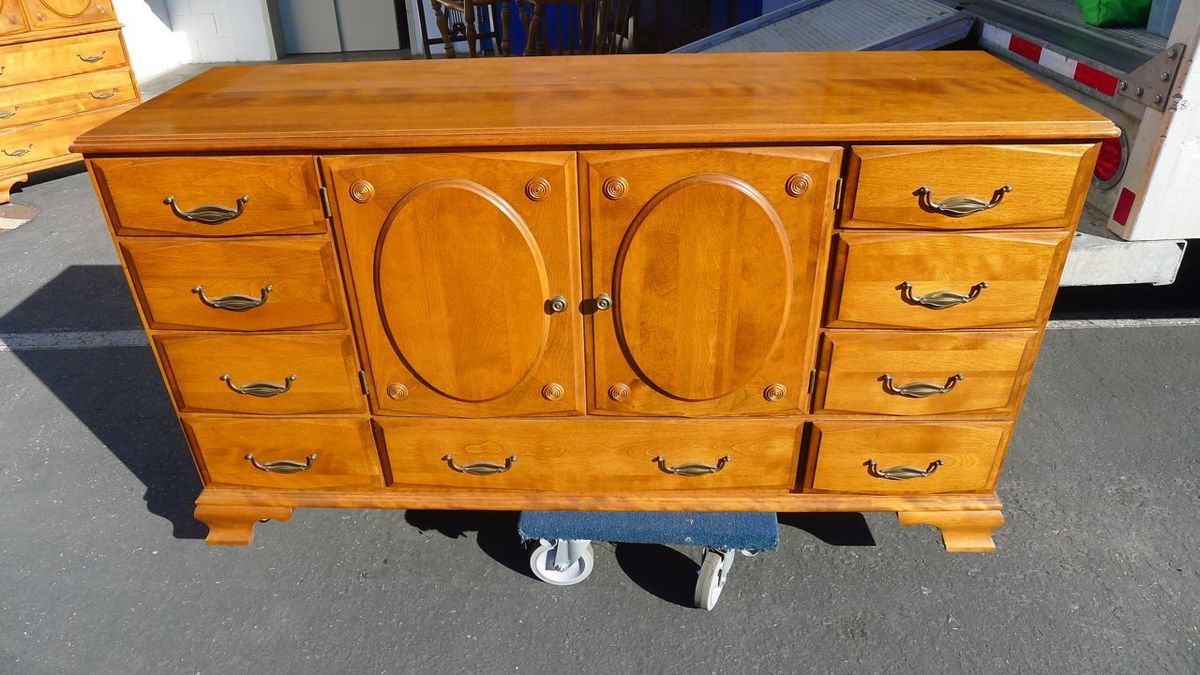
{"x":600,"y":101}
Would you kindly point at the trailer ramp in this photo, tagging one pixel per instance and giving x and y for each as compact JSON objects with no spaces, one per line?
{"x":843,"y":25}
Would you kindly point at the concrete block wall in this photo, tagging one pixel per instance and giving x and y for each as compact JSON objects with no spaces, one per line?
{"x":224,"y":30}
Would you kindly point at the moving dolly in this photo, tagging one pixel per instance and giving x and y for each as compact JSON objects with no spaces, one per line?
{"x":563,"y":554}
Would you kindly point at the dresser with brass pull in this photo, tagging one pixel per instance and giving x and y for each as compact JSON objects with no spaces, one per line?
{"x":63,"y":70}
{"x":595,"y":283}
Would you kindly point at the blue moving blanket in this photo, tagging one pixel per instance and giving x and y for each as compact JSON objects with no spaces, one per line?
{"x":736,"y":530}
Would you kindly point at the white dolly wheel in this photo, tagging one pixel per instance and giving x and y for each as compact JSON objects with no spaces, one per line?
{"x":714,"y":572}
{"x":578,"y":561}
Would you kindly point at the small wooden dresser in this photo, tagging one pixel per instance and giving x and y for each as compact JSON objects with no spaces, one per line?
{"x":63,"y":70}
{"x":774,"y":282}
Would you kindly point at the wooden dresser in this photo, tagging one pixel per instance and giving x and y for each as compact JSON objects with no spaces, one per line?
{"x":63,"y":70}
{"x":773,"y":282}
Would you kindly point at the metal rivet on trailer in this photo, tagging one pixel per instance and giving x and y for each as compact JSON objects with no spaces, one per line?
{"x":1122,"y":85}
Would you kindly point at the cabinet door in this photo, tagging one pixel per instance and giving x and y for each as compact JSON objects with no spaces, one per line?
{"x":708,"y":261}
{"x":12,"y":20}
{"x":465,"y":270}
{"x":65,"y":13}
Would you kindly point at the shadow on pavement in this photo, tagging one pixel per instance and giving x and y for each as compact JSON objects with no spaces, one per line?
{"x":661,"y":571}
{"x":835,"y":529}
{"x":496,"y":533}
{"x":116,"y":392}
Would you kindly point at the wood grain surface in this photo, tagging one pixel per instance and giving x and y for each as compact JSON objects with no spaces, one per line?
{"x":592,"y":455}
{"x":624,"y":100}
{"x":869,"y":269}
{"x":306,"y":288}
{"x":883,"y":182}
{"x":967,"y":452}
{"x":853,"y":365}
{"x":283,"y":194}
{"x":344,"y":449}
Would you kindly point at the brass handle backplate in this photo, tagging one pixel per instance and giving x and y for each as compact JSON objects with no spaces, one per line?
{"x":234,"y":303}
{"x":901,"y":472}
{"x":959,"y":207}
{"x":9,"y":114}
{"x":102,"y":95}
{"x":19,"y":152}
{"x":692,"y":469}
{"x":93,"y":58}
{"x":283,"y":465}
{"x":480,"y":468}
{"x":209,"y":214}
{"x":260,"y":389}
{"x":939,"y":299}
{"x":920,"y":389}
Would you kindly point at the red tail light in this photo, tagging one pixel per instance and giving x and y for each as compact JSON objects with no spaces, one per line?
{"x":1110,"y":165}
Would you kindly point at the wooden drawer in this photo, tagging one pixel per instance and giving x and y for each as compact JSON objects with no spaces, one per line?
{"x":938,"y":281}
{"x":295,"y":374}
{"x":591,"y":455}
{"x":344,"y":452}
{"x":66,"y":13}
{"x":1047,"y":185}
{"x":305,"y":289}
{"x":39,"y":101}
{"x":46,"y":140}
{"x":59,"y":57}
{"x":905,"y":458}
{"x":12,"y":19}
{"x":872,"y":372}
{"x":212,"y":196}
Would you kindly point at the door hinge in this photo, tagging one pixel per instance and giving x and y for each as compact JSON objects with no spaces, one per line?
{"x":839,"y":188}
{"x":325,"y":203}
{"x":362,"y":382}
{"x":812,"y":381}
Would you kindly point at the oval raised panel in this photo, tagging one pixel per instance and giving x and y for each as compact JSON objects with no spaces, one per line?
{"x":461,"y":288}
{"x":66,"y":8}
{"x":703,"y":282}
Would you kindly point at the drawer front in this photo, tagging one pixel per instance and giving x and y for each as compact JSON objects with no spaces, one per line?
{"x":212,"y":196}
{"x":939,"y":281}
{"x":12,"y":19}
{"x":963,"y":187}
{"x":908,"y":458}
{"x":39,"y":101}
{"x":31,"y":143}
{"x":50,"y":59}
{"x":66,"y":13}
{"x":591,"y":455}
{"x":263,"y":374}
{"x":923,"y":374}
{"x":344,"y":452}
{"x":247,"y":285}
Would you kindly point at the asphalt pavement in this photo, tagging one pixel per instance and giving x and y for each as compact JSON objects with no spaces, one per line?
{"x":103,"y":570}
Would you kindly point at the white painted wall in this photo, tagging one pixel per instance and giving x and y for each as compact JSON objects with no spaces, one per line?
{"x":153,"y":47}
{"x":162,"y":34}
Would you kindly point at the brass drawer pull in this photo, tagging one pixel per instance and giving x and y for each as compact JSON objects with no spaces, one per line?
{"x":920,"y":389}
{"x":234,"y":303}
{"x":959,"y":207}
{"x":19,"y":152}
{"x":9,"y":114}
{"x":260,"y":389}
{"x":481,"y":468}
{"x":283,"y":465}
{"x":693,"y":469}
{"x":901,"y":472}
{"x":209,"y":214}
{"x":940,"y":299}
{"x":93,"y":58}
{"x":101,"y":95}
